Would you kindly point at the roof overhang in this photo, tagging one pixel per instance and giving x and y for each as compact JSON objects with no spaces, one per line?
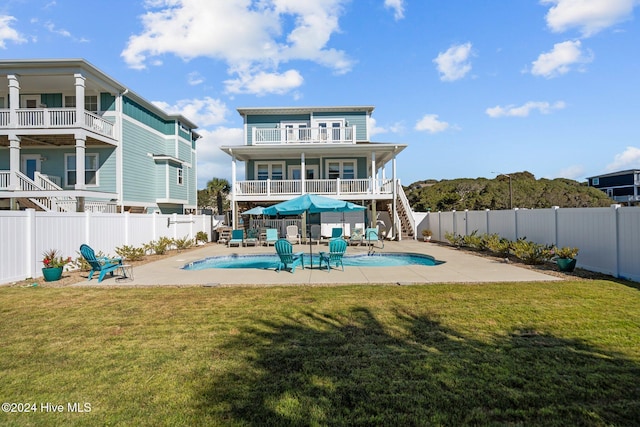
{"x":305,"y":110}
{"x":384,"y":151}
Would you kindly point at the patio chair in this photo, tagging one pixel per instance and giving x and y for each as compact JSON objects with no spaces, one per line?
{"x":315,"y":233}
{"x":293,"y":235}
{"x":336,"y":232}
{"x":357,"y":237}
{"x":288,"y":259}
{"x":237,"y":238}
{"x":337,"y":248}
{"x":102,"y":265}
{"x":252,"y":237}
{"x":271,"y":236}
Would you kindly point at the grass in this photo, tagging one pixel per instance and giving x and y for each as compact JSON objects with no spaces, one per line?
{"x":564,"y":353}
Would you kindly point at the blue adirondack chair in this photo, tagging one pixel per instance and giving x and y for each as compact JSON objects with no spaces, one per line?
{"x":271,"y":236}
{"x":102,"y":265}
{"x":237,"y":238}
{"x":337,"y":248}
{"x":288,"y":259}
{"x":336,"y":232}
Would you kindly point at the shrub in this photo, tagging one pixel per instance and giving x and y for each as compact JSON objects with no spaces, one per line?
{"x":474,"y":241}
{"x":184,"y":243}
{"x":566,"y":252}
{"x":159,"y":247}
{"x":130,"y":253}
{"x":202,"y":236}
{"x":455,"y":239}
{"x":498,"y":245}
{"x":532,"y":253}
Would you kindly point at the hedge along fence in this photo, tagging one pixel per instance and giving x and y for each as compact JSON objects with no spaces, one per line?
{"x":25,"y":235}
{"x":608,"y":238}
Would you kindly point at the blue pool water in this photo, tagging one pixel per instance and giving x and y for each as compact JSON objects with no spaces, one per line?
{"x":271,"y":261}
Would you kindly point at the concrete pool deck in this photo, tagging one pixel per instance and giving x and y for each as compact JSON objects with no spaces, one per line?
{"x":457,"y":267}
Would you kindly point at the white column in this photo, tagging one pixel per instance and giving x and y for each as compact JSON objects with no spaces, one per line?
{"x":14,"y":161}
{"x":79,"y":99}
{"x":303,"y":173}
{"x":397,"y":233}
{"x":80,"y":154}
{"x":374,"y":173}
{"x":14,"y":99}
{"x":233,"y":191}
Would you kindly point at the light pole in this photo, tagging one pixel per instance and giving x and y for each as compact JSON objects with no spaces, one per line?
{"x":510,"y":188}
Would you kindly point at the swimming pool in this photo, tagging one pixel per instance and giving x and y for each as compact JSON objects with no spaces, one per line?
{"x":271,"y":261}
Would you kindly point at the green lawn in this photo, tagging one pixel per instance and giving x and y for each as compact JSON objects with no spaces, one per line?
{"x":563,"y":353}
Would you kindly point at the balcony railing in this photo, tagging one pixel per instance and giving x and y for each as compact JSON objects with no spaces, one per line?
{"x":316,"y":186}
{"x":55,"y":118}
{"x":283,"y":135}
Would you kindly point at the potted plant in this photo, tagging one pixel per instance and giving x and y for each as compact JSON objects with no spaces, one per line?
{"x":53,"y":265}
{"x":566,"y":258}
{"x":426,"y":234}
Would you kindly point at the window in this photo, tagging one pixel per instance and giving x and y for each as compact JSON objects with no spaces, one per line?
{"x":180,"y":176}
{"x":90,"y":102}
{"x":266,"y":171}
{"x":595,"y":181}
{"x":344,"y":169}
{"x":90,"y":169}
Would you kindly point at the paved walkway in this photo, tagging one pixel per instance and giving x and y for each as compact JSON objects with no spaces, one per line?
{"x":457,"y":267}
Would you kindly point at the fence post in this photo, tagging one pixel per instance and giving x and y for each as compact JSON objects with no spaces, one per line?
{"x":616,"y":219}
{"x":30,"y":234}
{"x":555,"y":224}
{"x":515,"y":223}
{"x":191,"y":220}
{"x":87,"y":228}
{"x":174,"y":219}
{"x":466,"y":222}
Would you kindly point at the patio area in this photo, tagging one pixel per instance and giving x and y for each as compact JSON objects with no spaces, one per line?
{"x":457,"y":267}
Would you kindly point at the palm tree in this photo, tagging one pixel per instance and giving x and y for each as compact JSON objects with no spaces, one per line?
{"x":218,"y":188}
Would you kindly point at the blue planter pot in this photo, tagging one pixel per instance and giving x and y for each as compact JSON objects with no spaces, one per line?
{"x":52,"y":274}
{"x":566,"y":264}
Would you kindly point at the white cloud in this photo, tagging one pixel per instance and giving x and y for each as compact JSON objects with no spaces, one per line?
{"x":575,"y":172}
{"x":252,"y":37}
{"x":397,"y":6}
{"x":263,"y":83}
{"x":7,"y":33}
{"x":525,"y":109}
{"x":213,"y":162}
{"x":431,"y":124}
{"x":560,"y":59}
{"x":589,"y":16}
{"x":453,"y":64}
{"x":628,"y":159}
{"x":195,"y":78}
{"x":374,"y":129}
{"x":203,"y":112}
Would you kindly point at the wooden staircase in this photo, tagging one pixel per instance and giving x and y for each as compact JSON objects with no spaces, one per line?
{"x":404,"y":214}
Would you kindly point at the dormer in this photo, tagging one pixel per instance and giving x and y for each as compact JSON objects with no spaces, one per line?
{"x":306,"y":125}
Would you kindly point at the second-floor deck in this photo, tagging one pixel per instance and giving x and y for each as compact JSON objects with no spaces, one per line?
{"x":303,"y":135}
{"x":55,"y":118}
{"x":282,"y":189}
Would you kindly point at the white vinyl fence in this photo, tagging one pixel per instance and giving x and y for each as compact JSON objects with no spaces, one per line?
{"x":608,"y":239}
{"x":25,"y":235}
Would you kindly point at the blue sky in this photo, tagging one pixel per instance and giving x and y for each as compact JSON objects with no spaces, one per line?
{"x":473,"y":87}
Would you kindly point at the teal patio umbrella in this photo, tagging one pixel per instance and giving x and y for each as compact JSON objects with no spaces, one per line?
{"x":311,"y":203}
{"x":258,"y":210}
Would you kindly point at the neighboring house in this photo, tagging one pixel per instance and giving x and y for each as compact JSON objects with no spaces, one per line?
{"x":74,"y":139}
{"x":623,"y":186}
{"x":289,"y":151}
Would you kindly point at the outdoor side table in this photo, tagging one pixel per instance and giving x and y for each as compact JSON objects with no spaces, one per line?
{"x":126,"y":271}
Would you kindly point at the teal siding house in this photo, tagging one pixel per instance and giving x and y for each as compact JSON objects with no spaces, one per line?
{"x":290,"y":151}
{"x":73,"y":139}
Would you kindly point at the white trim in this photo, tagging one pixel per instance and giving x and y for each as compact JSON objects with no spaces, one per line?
{"x":25,"y":157}
{"x":314,"y":168}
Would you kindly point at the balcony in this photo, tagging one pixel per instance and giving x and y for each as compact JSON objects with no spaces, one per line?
{"x":304,"y":135}
{"x":55,"y":118}
{"x":282,"y":189}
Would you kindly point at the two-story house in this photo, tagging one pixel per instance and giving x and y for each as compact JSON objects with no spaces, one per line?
{"x":622,"y":186}
{"x":289,"y":151}
{"x":74,"y":139}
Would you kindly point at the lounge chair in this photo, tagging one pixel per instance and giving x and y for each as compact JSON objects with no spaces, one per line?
{"x":336,"y":232}
{"x":102,"y":265}
{"x":288,"y":259}
{"x":293,"y":235}
{"x":271,"y":236}
{"x":357,"y":237}
{"x":252,"y":238}
{"x":237,"y":238}
{"x":337,"y":248}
